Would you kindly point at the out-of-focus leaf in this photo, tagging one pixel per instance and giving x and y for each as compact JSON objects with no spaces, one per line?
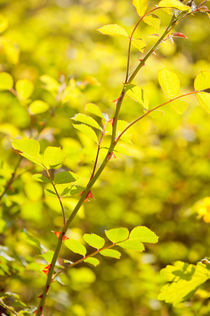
{"x":169,"y":82}
{"x":113,"y":29}
{"x":6,"y":81}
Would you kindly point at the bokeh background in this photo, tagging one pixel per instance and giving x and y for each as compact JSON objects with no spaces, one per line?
{"x":160,"y":178}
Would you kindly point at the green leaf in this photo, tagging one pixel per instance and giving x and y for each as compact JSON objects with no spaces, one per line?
{"x":173,"y":4}
{"x":28,"y":148}
{"x":3,"y":23}
{"x":40,"y":178}
{"x":143,"y":234}
{"x":138,"y":95}
{"x":24,"y":88}
{"x":132,"y":244}
{"x":38,"y":107}
{"x":139,"y":44}
{"x":169,"y":82}
{"x":202,"y":81}
{"x":117,"y":234}
{"x":94,"y":109}
{"x":152,"y":20}
{"x":111,"y":253}
{"x":85,"y":119}
{"x":179,"y":106}
{"x":53,"y":157}
{"x":94,"y":240}
{"x":92,"y":261}
{"x":183,"y":280}
{"x":75,"y":246}
{"x":88,"y":131}
{"x":6,"y":81}
{"x":50,"y":83}
{"x":141,"y":6}
{"x":31,"y":239}
{"x":204,"y":100}
{"x":65,"y":177}
{"x":113,"y":29}
{"x":48,"y":255}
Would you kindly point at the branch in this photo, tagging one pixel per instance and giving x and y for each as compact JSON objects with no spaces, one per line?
{"x":152,"y":110}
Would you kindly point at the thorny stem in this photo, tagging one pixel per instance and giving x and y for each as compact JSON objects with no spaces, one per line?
{"x":101,"y":167}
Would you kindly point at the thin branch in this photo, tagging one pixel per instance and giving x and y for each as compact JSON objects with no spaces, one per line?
{"x":152,"y":110}
{"x":58,"y":196}
{"x":98,"y":150}
{"x":11,"y":180}
{"x":8,"y":308}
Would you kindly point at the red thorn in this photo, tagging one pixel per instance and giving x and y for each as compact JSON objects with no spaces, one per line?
{"x":141,"y":61}
{"x":46,"y":269}
{"x":178,"y":34}
{"x":47,"y":289}
{"x":40,"y":296}
{"x":111,"y":155}
{"x":115,"y":101}
{"x":41,"y":308}
{"x":111,"y":121}
{"x":57,"y":234}
{"x":88,"y":196}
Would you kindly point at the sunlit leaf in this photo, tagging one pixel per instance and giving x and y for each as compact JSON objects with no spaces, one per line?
{"x":138,"y":95}
{"x":38,"y":107}
{"x":113,"y":29}
{"x":48,"y":255}
{"x":174,"y":4}
{"x":152,"y":20}
{"x":24,"y":88}
{"x":75,"y":246}
{"x":92,"y":261}
{"x":53,"y":157}
{"x":111,"y":253}
{"x":94,"y":109}
{"x":183,"y":280}
{"x":85,"y":119}
{"x":65,"y":177}
{"x":143,"y":234}
{"x":94,"y":240}
{"x":117,"y":234}
{"x":141,"y":6}
{"x":202,"y":81}
{"x":88,"y":131}
{"x":204,"y":100}
{"x":50,"y":83}
{"x":6,"y":81}
{"x":3,"y":23}
{"x":139,"y":44}
{"x":169,"y":82}
{"x":28,"y":148}
{"x":132,"y":244}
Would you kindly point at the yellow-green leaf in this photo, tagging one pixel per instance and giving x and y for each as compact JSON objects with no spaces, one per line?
{"x":138,"y":95}
{"x":202,"y":81}
{"x":139,"y":44}
{"x":94,"y":109}
{"x":53,"y":157}
{"x":132,"y":245}
{"x":113,"y":29}
{"x":204,"y":100}
{"x":65,"y":177}
{"x":94,"y":240}
{"x":179,"y":106}
{"x":24,"y":88}
{"x":93,"y":261}
{"x":85,"y":119}
{"x":28,"y":148}
{"x":50,"y":83}
{"x":117,"y":234}
{"x":111,"y":253}
{"x":152,"y":20}
{"x":141,"y":6}
{"x":75,"y":246}
{"x":174,"y":4}
{"x":143,"y":234}
{"x":169,"y":82}
{"x":38,"y":107}
{"x":6,"y":81}
{"x":88,"y":131}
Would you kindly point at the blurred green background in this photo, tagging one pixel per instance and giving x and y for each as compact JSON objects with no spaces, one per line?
{"x":160,"y":178}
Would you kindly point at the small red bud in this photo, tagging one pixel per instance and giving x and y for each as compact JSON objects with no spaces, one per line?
{"x":141,"y":61}
{"x":178,"y":34}
{"x":88,"y":196}
{"x":111,"y":155}
{"x":57,"y":234}
{"x":115,"y":101}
